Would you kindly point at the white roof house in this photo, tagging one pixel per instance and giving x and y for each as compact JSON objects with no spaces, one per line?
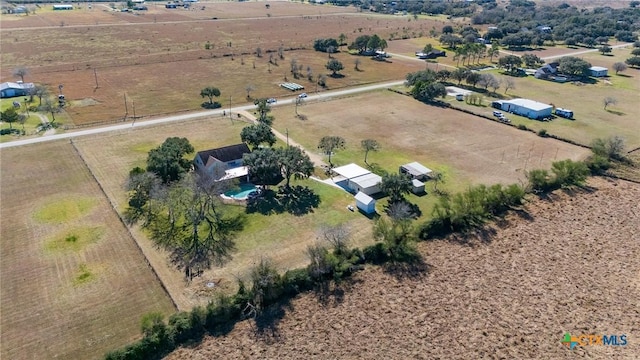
{"x":415,"y":170}
{"x":13,"y":89}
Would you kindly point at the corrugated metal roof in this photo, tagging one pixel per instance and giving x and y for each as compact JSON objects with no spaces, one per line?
{"x":529,"y":104}
{"x":350,"y":171}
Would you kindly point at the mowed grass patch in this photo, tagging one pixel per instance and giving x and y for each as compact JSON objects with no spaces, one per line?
{"x":45,"y":314}
{"x":64,"y":209}
{"x":75,"y":239}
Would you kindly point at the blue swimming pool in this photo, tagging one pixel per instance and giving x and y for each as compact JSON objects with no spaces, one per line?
{"x":242,"y":192}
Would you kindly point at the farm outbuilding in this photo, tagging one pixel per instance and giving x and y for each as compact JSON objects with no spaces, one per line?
{"x":63,"y":7}
{"x":365,"y":203}
{"x":417,"y":186}
{"x":13,"y":89}
{"x":525,"y":107}
{"x":598,"y":71}
{"x":416,"y":170}
{"x":357,"y":179}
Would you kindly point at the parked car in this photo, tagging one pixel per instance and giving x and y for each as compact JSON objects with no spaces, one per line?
{"x":302,"y":96}
{"x":271,"y":101}
{"x":497,"y":114}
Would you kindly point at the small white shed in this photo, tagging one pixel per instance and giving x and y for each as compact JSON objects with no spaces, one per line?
{"x":598,"y":71}
{"x":365,"y":203}
{"x":417,"y":186}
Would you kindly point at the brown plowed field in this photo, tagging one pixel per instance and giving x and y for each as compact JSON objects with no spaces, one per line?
{"x":570,"y":265}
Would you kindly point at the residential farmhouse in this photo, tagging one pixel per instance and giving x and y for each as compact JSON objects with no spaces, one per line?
{"x":222,"y":163}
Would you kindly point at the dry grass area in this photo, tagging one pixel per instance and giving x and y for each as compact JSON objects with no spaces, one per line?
{"x":472,"y":149}
{"x":571,"y":265}
{"x":141,"y":57}
{"x":73,"y":283}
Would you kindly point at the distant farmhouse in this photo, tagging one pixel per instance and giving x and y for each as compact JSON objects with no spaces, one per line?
{"x":524,"y":107}
{"x":222,"y":163}
{"x":431,"y":54}
{"x":13,"y":89}
{"x":547,"y":71}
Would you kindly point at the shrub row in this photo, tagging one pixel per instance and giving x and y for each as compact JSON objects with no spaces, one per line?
{"x":268,"y":287}
{"x":470,"y":209}
{"x":565,"y":173}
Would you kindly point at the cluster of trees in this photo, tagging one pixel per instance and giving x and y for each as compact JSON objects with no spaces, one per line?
{"x":606,"y":153}
{"x":260,"y":133}
{"x":471,"y":209}
{"x":426,"y":85}
{"x":570,"y":65}
{"x":331,"y":261}
{"x":10,"y":116}
{"x":366,"y":44}
{"x":634,"y":60}
{"x":180,"y":210}
{"x":517,"y":23}
{"x":565,"y":173}
{"x":329,"y":45}
{"x":267,"y":166}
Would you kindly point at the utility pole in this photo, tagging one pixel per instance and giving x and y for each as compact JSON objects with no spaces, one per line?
{"x":287,"y":132}
{"x":95,"y":75}
{"x":126,"y":109}
{"x":230,"y":118}
{"x":133,"y":104}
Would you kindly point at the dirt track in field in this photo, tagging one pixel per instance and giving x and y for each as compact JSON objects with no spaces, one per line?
{"x":571,"y":264}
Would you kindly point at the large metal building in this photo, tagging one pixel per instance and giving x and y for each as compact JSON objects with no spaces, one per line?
{"x":525,"y":107}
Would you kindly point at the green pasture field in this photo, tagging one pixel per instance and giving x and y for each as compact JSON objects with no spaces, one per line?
{"x":74,"y":285}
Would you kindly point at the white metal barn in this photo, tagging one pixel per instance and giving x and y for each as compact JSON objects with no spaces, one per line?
{"x":416,"y":170}
{"x":365,"y":203}
{"x":525,"y":107}
{"x":359,"y":179}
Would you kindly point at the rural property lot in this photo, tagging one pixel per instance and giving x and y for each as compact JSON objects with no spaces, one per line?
{"x":572,"y":267}
{"x":73,"y":283}
{"x":473,"y":149}
{"x":283,"y":237}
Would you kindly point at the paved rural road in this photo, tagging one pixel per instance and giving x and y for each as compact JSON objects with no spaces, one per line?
{"x":568,"y":54}
{"x":322,"y":96}
{"x":416,"y":59}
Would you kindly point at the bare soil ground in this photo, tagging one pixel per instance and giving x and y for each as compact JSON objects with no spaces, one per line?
{"x":73,"y":283}
{"x":569,"y":263}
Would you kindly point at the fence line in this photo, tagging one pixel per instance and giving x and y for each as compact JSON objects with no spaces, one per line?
{"x":133,"y":238}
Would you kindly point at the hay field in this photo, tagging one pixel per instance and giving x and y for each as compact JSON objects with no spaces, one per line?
{"x":73,"y":283}
{"x":572,"y":266}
